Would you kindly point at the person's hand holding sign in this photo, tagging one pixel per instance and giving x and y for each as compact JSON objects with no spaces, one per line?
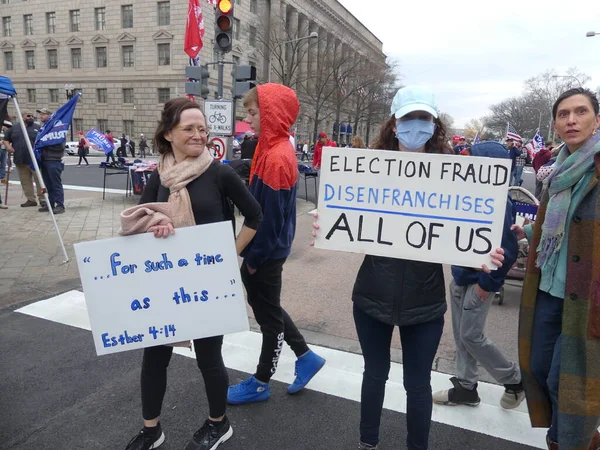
{"x":162,"y":231}
{"x":315,"y":228}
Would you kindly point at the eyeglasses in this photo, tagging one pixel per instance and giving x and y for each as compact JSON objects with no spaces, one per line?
{"x":191,"y":130}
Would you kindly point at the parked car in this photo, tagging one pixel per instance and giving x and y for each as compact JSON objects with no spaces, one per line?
{"x":71,"y":147}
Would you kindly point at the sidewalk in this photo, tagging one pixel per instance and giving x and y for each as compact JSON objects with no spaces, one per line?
{"x":31,"y":261}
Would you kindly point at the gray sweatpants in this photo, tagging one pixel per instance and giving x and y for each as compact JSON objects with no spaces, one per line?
{"x":469,"y":314}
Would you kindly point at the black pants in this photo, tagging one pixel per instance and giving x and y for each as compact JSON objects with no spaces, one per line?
{"x":264,"y":296}
{"x":210,"y":362}
{"x":419,"y":346}
{"x":84,"y":158}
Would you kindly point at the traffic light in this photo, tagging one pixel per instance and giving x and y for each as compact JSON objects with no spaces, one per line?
{"x":198,"y":84}
{"x":245,"y":79}
{"x":224,"y":25}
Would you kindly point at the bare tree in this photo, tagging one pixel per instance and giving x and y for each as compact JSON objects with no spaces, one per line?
{"x":447,"y":120}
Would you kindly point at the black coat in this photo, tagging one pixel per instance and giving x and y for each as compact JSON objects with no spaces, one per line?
{"x":400,"y":292}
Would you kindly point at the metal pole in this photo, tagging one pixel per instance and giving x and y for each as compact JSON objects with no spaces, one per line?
{"x":220,"y":80}
{"x":540,"y":121}
{"x":40,"y":178}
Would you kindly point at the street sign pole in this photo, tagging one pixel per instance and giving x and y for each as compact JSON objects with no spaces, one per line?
{"x":221,"y":68}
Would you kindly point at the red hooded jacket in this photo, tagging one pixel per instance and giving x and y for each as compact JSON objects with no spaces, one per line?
{"x":274,"y":175}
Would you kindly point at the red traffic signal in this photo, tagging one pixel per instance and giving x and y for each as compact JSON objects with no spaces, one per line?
{"x":225,"y":6}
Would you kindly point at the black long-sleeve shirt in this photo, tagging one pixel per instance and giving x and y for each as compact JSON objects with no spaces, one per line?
{"x":210,"y":194}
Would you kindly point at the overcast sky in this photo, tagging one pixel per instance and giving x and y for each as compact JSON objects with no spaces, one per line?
{"x":474,"y":54}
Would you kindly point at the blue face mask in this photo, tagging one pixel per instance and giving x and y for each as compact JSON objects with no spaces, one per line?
{"x":413,"y":134}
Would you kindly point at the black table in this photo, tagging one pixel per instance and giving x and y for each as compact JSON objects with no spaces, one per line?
{"x":109,"y":171}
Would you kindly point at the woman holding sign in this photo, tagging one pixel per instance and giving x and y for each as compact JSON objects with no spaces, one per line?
{"x":188,"y":188}
{"x":411,"y":295}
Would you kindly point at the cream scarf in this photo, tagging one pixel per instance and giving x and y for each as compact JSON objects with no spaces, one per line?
{"x":178,"y":210}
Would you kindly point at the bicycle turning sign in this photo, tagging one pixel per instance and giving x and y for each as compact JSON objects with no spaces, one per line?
{"x":219,"y":116}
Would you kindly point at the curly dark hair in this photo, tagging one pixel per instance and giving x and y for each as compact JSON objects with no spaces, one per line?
{"x":387,"y":138}
{"x":169,"y":119}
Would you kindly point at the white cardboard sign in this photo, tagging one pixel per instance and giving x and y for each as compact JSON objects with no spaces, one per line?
{"x":142,"y":291}
{"x":424,"y":207}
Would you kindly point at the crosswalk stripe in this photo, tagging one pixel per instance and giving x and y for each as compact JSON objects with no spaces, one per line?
{"x":341,"y":376}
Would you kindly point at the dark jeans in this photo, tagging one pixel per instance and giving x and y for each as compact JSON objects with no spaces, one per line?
{"x":210,"y":362}
{"x":545,"y":350}
{"x":264,"y":296}
{"x":84,"y":158}
{"x":111,"y":155}
{"x":52,"y":174}
{"x":419,"y":345}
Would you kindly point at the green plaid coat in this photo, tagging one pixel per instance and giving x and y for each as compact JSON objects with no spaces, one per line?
{"x":579,"y":385}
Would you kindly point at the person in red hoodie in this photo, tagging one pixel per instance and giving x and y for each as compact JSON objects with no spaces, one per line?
{"x":540,"y":159}
{"x":323,"y":141}
{"x":272,"y":109}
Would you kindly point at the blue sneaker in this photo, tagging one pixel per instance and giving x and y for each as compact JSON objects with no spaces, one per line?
{"x":307,"y":366}
{"x":248,"y":391}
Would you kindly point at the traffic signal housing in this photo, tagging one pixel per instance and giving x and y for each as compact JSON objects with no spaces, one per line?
{"x":198,"y":81}
{"x":245,"y":79}
{"x":224,"y":25}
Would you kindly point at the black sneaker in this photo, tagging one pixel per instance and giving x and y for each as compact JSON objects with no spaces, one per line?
{"x":211,"y":435}
{"x":147,"y":441}
{"x":457,"y":395}
{"x":58,"y":209}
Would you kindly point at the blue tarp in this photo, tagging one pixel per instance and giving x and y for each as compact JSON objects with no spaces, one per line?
{"x":6,"y":87}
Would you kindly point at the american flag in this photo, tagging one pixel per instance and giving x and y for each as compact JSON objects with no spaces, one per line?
{"x":476,"y":140}
{"x":511,"y":133}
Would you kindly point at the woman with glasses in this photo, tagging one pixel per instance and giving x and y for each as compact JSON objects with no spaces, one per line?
{"x":196,"y":190}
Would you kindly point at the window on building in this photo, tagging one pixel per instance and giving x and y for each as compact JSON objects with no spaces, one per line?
{"x":253,"y":6}
{"x":127,"y":16}
{"x":236,"y":29}
{"x":30,"y":59}
{"x":164,"y":54}
{"x":101,"y":58}
{"x":252,"y":36}
{"x":6,"y":26}
{"x":128,"y":127}
{"x":31,"y":97}
{"x":102,"y":95}
{"x":164,"y":13}
{"x":28,"y":24}
{"x":102,"y":125}
{"x":8,"y":61}
{"x":100,"y":18}
{"x":128,"y":95}
{"x":76,"y":58}
{"x":4,"y":2}
{"x":51,"y":22}
{"x":53,"y":95}
{"x":164,"y":95}
{"x":78,"y":124}
{"x":238,"y":2}
{"x":74,"y":20}
{"x":128,"y":57}
{"x":236,"y":60}
{"x":52,"y":58}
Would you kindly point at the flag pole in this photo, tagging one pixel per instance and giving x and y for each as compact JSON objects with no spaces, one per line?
{"x":40,"y":179}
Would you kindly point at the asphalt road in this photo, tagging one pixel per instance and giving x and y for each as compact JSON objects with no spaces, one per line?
{"x":57,"y":394}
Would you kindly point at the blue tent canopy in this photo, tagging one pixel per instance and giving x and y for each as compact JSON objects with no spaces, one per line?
{"x":6,"y":87}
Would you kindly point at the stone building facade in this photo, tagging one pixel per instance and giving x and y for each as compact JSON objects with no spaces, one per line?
{"x":127,"y":56}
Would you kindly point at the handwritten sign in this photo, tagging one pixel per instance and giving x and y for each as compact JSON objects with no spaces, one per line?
{"x":424,"y":207}
{"x":142,"y":291}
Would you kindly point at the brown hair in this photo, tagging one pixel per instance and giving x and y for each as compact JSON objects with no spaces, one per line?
{"x":387,"y":138}
{"x":250,"y":97}
{"x":357,"y":142}
{"x":169,"y":118}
